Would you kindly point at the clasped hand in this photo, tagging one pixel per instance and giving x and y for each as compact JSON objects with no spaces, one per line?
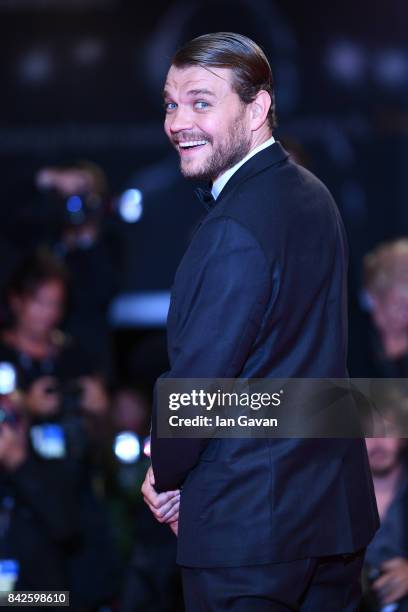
{"x":164,"y":506}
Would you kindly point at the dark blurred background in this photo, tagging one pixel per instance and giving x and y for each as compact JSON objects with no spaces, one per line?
{"x":86,"y":171}
{"x":83,"y":80}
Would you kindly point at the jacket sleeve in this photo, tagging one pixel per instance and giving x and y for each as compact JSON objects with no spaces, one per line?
{"x":220,"y":296}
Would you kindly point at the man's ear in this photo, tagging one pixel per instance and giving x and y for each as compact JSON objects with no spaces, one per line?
{"x":259,"y":108}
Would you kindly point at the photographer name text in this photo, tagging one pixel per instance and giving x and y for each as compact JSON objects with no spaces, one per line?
{"x":217,"y":421}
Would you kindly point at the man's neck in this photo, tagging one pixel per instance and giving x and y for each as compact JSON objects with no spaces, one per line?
{"x":386,"y":487}
{"x":260,"y":138}
{"x":388,"y":481}
{"x":220,"y":182}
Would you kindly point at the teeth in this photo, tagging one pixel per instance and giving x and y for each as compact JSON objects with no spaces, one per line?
{"x":193,"y":143}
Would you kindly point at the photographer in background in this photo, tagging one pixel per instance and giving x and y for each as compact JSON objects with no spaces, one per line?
{"x":39,"y":518}
{"x":386,"y":560}
{"x":49,"y":363}
{"x":65,"y":402}
{"x":386,"y":293}
{"x":76,"y":196}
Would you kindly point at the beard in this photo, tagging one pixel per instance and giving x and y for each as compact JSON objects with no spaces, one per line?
{"x":381,"y":471}
{"x":233,"y":149}
{"x":381,"y":468}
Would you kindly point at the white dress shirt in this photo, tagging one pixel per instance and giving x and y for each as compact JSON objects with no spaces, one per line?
{"x":220,"y":183}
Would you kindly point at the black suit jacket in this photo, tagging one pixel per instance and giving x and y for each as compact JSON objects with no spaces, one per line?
{"x":261,"y":293}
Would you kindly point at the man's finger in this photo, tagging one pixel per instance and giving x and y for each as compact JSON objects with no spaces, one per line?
{"x":381,"y":582}
{"x":159,"y":500}
{"x":154,"y":503}
{"x":396,"y":562}
{"x":167,"y":510}
{"x":172,"y":514}
{"x":161,"y":510}
{"x":391,"y":593}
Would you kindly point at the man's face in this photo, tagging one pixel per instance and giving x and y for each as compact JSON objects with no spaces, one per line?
{"x":383,"y":454}
{"x":42,"y":310}
{"x":390,"y":311}
{"x":205,"y":121}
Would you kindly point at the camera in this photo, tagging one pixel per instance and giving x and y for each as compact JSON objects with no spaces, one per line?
{"x":54,"y":438}
{"x":81,"y":208}
{"x":8,"y":385}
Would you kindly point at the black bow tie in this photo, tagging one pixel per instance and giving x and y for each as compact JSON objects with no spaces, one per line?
{"x":205,"y":196}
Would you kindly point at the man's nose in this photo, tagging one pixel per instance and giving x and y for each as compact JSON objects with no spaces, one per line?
{"x":180,"y":120}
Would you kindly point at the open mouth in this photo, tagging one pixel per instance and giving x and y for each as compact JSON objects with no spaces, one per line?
{"x":193,"y":144}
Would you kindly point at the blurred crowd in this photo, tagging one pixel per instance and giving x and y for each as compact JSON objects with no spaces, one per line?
{"x":74,"y":434}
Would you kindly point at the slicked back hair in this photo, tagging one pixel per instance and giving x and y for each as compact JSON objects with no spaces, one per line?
{"x":250,"y":67}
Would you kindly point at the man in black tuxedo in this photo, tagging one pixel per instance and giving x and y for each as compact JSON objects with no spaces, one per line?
{"x":264,"y":525}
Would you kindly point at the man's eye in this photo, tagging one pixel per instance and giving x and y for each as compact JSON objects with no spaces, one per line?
{"x":169,"y":106}
{"x":201,"y":104}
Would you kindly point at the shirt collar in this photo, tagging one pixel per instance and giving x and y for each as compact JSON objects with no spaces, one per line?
{"x":220,"y":183}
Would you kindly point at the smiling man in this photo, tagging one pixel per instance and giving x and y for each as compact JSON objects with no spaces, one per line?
{"x":264,"y":525}
{"x":210,"y":132}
